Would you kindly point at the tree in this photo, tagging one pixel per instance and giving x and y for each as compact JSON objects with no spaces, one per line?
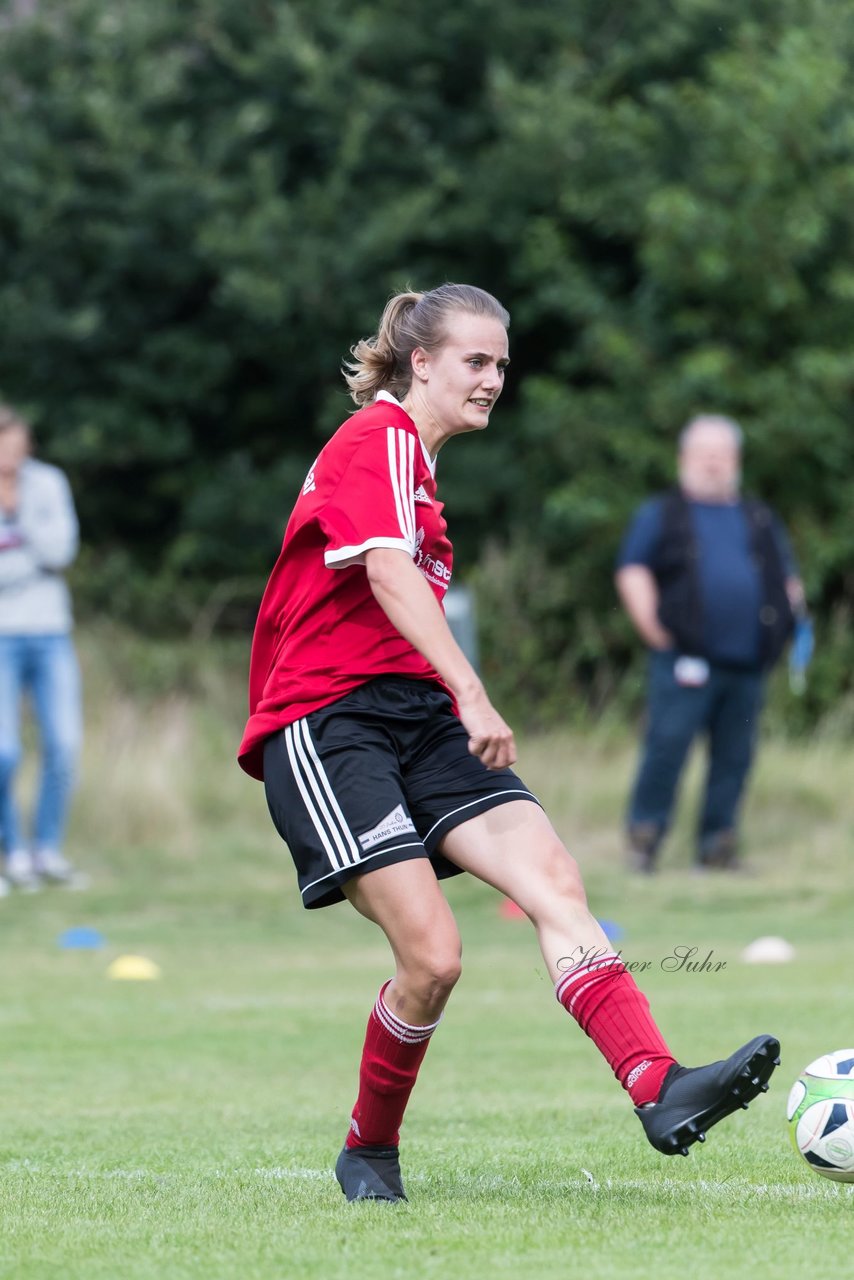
{"x":206,"y":204}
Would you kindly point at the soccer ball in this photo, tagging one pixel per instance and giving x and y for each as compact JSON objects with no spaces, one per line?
{"x":820,"y":1112}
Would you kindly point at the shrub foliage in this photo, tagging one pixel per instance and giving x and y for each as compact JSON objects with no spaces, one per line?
{"x":205,"y":204}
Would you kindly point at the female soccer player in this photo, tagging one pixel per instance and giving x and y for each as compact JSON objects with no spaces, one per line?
{"x":387,"y":768}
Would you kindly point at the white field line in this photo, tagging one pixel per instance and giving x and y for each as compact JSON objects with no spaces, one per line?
{"x":738,"y":1188}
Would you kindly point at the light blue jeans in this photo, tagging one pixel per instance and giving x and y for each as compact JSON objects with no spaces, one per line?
{"x":44,"y":667}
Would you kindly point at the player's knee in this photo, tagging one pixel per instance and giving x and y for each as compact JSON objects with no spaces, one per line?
{"x":559,"y":884}
{"x":564,"y":873}
{"x":438,"y":973}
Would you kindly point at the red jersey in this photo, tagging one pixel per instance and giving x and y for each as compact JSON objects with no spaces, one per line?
{"x":320,"y":633}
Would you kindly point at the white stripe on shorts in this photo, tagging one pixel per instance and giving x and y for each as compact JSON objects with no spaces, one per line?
{"x":411,"y":844}
{"x":516,"y":791}
{"x":311,"y":778}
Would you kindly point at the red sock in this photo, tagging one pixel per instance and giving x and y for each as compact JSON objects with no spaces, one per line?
{"x":602,"y":996}
{"x":391,"y":1057}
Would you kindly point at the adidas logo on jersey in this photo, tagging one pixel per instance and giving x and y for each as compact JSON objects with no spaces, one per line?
{"x":421,"y":495}
{"x":310,"y":486}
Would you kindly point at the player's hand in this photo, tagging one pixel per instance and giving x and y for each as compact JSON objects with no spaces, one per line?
{"x":490,"y":739}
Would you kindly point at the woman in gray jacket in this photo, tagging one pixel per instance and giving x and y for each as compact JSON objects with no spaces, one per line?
{"x":38,"y":539}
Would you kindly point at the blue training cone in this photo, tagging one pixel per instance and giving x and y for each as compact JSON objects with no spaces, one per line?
{"x":81,"y":938}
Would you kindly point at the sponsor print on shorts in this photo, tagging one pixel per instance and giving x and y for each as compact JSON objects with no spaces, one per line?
{"x":395,"y":823}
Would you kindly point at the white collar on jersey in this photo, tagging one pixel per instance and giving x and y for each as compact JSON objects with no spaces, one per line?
{"x":431,"y":462}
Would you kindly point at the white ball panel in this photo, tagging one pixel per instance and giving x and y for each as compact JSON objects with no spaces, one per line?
{"x":826,"y":1067}
{"x":797,"y":1093}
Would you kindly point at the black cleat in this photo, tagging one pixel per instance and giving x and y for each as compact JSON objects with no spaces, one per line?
{"x":694,"y":1098}
{"x":370,"y":1173}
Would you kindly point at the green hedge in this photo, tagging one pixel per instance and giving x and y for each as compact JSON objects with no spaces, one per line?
{"x":205,"y":204}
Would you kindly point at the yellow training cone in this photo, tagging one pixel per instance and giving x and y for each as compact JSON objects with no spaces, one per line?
{"x":133,"y":968}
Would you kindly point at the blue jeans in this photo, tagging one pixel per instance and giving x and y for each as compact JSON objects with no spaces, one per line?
{"x":45,"y":668}
{"x":726,"y":709}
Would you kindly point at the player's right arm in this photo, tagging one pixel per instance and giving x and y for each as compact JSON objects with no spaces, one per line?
{"x":406,"y":598}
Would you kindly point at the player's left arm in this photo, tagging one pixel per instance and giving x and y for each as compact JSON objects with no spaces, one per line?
{"x":407,"y":599}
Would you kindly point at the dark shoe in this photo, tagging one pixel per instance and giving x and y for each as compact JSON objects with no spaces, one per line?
{"x":644,"y":840}
{"x":694,"y":1098}
{"x":719,"y":852}
{"x":370,"y":1173}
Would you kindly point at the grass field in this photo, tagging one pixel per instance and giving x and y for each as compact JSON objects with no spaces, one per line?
{"x":186,"y":1128}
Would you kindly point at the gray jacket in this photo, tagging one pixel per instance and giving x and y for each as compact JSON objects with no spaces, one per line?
{"x":36,"y":544}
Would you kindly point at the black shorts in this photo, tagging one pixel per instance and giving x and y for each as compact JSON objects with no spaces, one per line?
{"x":378,"y":777}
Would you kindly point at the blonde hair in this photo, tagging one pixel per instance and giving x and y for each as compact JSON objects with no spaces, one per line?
{"x":410,"y":320}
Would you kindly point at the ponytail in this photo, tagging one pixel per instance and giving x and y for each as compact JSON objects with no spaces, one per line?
{"x":378,"y":363}
{"x":410,"y":320}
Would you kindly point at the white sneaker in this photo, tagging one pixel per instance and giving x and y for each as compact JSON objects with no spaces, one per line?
{"x":20,"y":870}
{"x":53,"y":865}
